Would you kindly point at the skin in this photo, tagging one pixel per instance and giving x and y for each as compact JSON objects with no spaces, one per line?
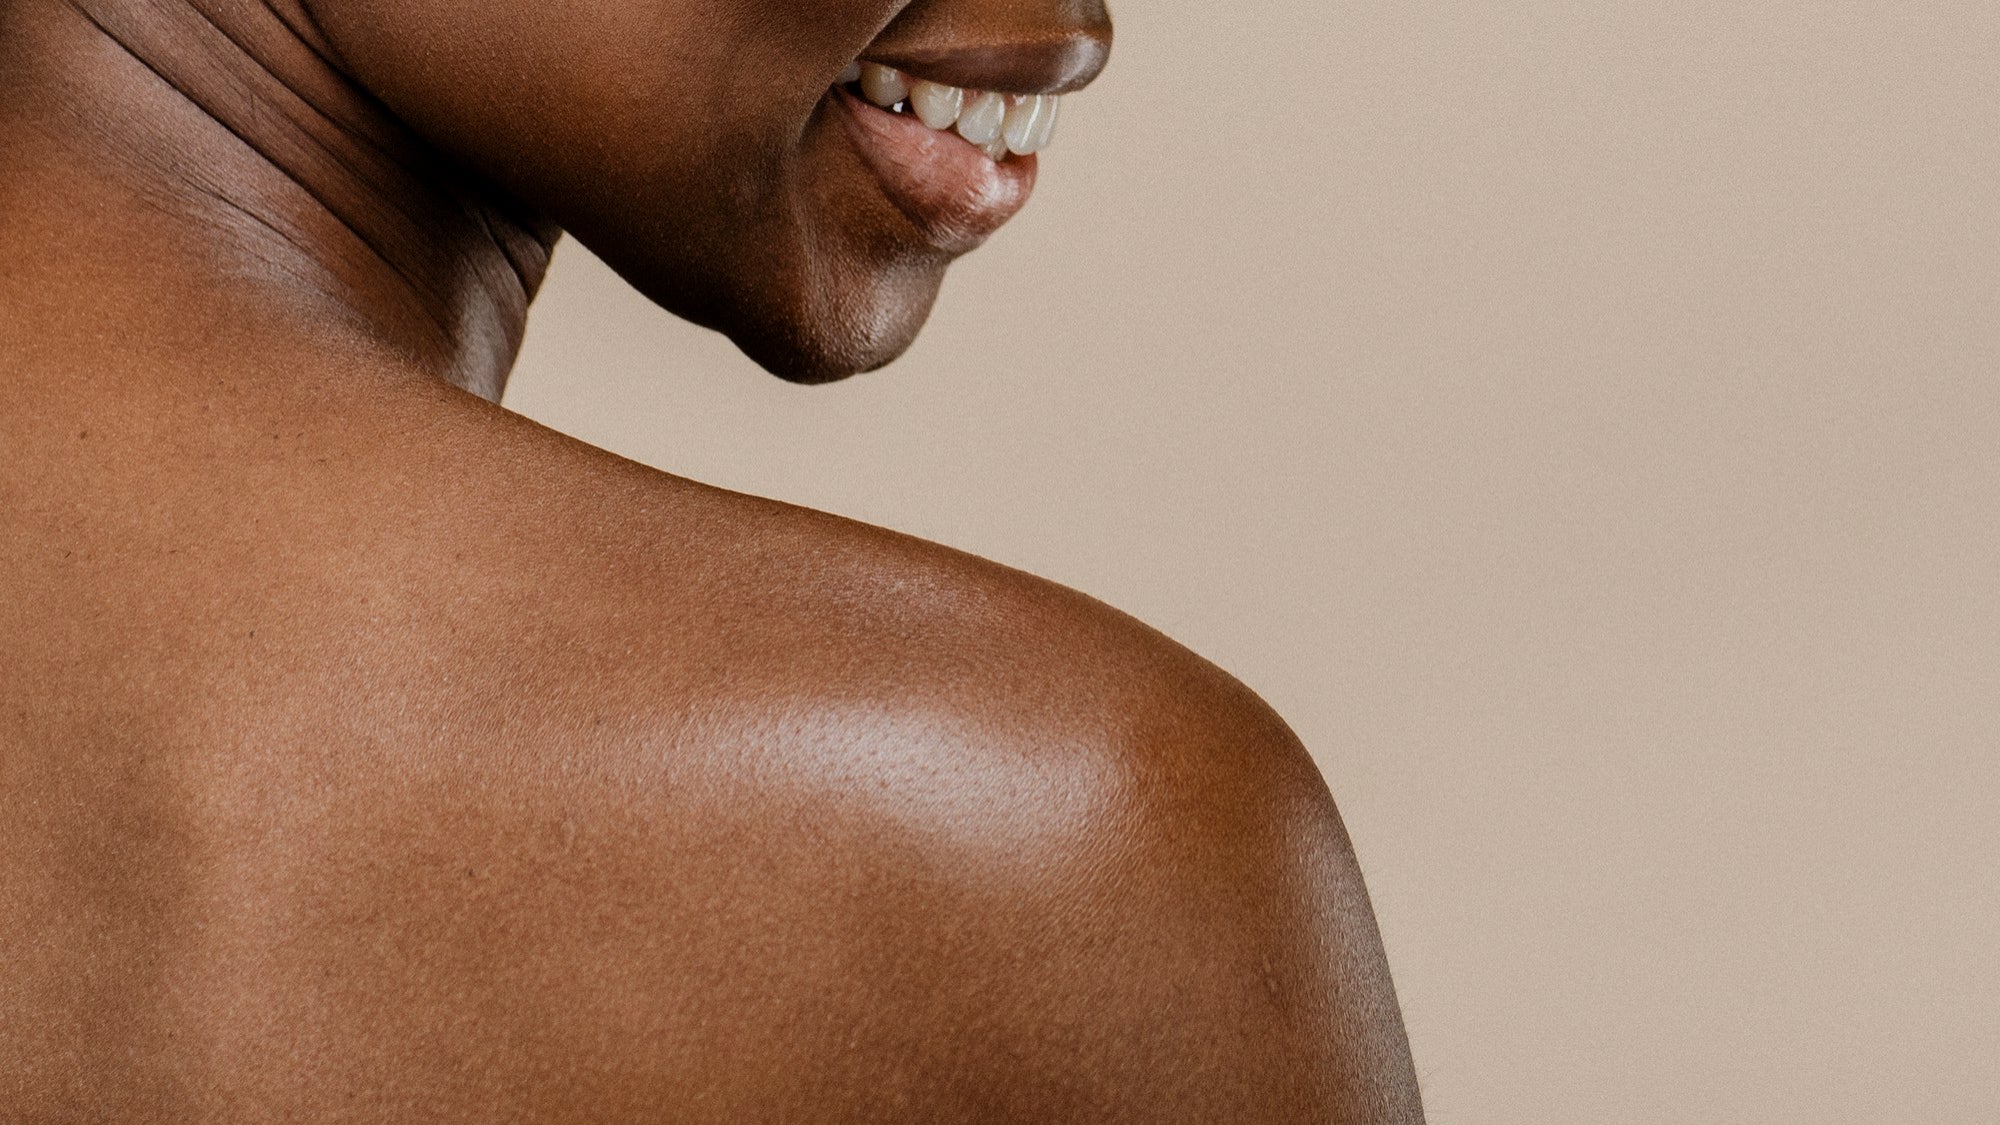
{"x":370,"y":753}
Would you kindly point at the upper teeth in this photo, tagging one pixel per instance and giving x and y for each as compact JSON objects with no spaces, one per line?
{"x":997,"y":123}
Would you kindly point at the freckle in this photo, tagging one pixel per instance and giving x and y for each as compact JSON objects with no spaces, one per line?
{"x":81,"y":434}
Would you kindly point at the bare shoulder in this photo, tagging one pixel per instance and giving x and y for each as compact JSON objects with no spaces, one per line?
{"x":987,"y":848}
{"x":573,"y":791}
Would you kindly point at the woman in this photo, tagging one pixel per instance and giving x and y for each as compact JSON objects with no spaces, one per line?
{"x":371,"y":753}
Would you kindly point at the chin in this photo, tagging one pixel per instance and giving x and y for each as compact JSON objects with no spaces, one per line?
{"x":811,"y":365}
{"x":808,"y":309}
{"x":825,"y":333}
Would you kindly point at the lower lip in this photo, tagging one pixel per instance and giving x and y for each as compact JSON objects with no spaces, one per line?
{"x":953,"y":193}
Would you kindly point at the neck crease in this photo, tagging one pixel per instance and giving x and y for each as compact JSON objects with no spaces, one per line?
{"x":237,"y":125}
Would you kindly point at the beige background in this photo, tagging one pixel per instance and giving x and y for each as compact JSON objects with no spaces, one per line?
{"x":1580,"y":419}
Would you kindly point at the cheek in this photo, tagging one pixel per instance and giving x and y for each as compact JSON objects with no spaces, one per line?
{"x":532,"y":96}
{"x":607,"y":101}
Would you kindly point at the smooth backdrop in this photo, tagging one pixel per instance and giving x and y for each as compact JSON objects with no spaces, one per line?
{"x":1581,"y":419}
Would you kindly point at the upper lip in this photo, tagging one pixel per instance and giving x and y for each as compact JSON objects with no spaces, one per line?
{"x":1058,"y":64}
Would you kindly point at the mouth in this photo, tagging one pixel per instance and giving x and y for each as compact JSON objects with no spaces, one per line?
{"x":957,"y":162}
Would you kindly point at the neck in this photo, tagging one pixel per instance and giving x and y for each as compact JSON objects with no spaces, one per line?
{"x":166,"y":163}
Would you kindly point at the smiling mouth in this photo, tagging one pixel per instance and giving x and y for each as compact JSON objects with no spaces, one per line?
{"x":958,"y":181}
{"x":999,"y":125}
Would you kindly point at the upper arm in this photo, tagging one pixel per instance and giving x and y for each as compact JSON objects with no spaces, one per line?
{"x":1200,"y":947}
{"x":1226,"y":964}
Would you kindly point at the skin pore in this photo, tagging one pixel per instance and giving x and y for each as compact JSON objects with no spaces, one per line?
{"x":370,"y":753}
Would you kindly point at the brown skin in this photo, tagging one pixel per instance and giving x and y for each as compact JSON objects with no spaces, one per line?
{"x":369,"y":753}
